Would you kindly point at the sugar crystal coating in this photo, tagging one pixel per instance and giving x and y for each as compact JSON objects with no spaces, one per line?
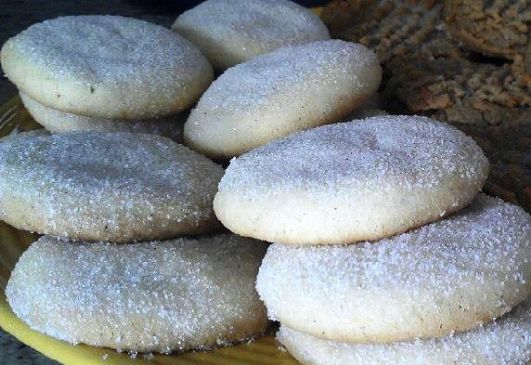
{"x":58,"y":121}
{"x":411,"y":151}
{"x":106,"y":66}
{"x":444,"y":277}
{"x":342,"y":183}
{"x":278,"y":93}
{"x":506,"y":341}
{"x":187,"y":293}
{"x":106,"y":186}
{"x":229,"y":32}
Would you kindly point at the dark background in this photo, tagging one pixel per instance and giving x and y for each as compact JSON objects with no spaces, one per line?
{"x":179,"y":6}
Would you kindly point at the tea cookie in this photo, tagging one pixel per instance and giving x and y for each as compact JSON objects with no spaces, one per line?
{"x":96,"y":186}
{"x":107,"y":67}
{"x":448,"y":276}
{"x":347,"y":182}
{"x":279,"y":93}
{"x":229,"y":32}
{"x":58,"y":121}
{"x":504,"y":342}
{"x":187,"y":293}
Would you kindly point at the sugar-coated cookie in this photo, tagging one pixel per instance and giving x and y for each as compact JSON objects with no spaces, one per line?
{"x":229,"y":32}
{"x":187,"y":293}
{"x":106,"y":66}
{"x":58,"y":121}
{"x":279,"y":93}
{"x":362,"y":180}
{"x":445,"y":277}
{"x":504,"y":342}
{"x":99,"y":186}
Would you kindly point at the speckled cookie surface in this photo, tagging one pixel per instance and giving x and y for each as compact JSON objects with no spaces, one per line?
{"x":116,"y":187}
{"x":187,"y":293}
{"x":106,"y":66}
{"x":229,"y":32}
{"x":348,"y":182}
{"x":504,"y":342}
{"x":497,"y":28}
{"x":442,"y":81}
{"x":58,"y":121}
{"x":273,"y":95}
{"x":448,"y":276}
{"x":427,"y":70}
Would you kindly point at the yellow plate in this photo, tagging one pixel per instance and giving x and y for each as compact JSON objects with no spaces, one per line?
{"x":265,"y":351}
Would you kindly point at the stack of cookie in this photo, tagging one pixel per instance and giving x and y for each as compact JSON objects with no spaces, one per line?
{"x":106,"y":73}
{"x":89,"y":190}
{"x":384,"y":251}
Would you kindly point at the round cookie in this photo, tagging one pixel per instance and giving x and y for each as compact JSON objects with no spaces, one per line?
{"x":106,"y":66}
{"x":182,"y":294}
{"x":58,"y":121}
{"x":98,"y":186}
{"x":448,"y":276}
{"x":347,"y":182}
{"x":279,"y":93}
{"x":229,"y":32}
{"x":504,"y":342}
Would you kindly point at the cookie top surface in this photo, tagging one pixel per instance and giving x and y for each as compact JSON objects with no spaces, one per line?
{"x":231,"y":31}
{"x":362,"y":180}
{"x":105,"y":186}
{"x":506,"y":341}
{"x":381,"y":151}
{"x":106,"y":66}
{"x":285,"y":68}
{"x":275,"y":94}
{"x":447,"y":276}
{"x":186,"y":293}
